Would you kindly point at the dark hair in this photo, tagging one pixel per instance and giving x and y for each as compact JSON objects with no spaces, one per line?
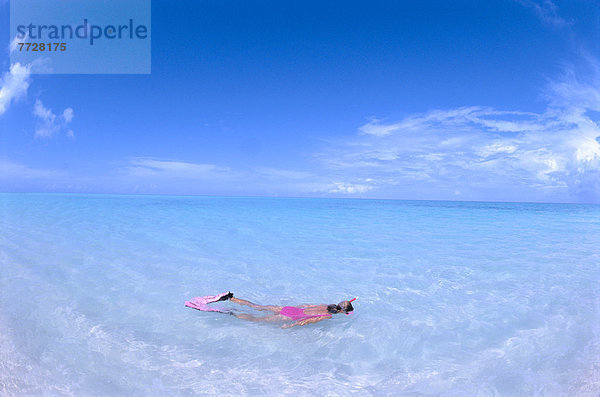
{"x":346,"y":306}
{"x":343,"y":306}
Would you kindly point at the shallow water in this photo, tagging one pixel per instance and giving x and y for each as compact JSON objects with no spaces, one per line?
{"x":455,"y":299}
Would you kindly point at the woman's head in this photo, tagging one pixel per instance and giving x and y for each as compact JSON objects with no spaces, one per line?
{"x":342,"y":307}
{"x":346,"y":306}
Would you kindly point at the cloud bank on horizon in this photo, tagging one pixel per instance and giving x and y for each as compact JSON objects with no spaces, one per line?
{"x":463,"y":153}
{"x":550,"y":156}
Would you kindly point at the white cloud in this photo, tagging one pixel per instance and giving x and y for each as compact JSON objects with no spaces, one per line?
{"x":14,"y":43}
{"x":10,"y":170}
{"x":547,"y":11}
{"x":569,"y":92}
{"x":12,"y":47}
{"x":45,"y":114}
{"x":49,"y":124}
{"x":14,"y":85}
{"x":348,"y":188}
{"x":552,"y":155}
{"x":68,"y":115}
{"x":144,"y":167}
{"x":496,"y":148}
{"x":282,"y":174}
{"x":375,"y":128}
{"x":494,"y":120}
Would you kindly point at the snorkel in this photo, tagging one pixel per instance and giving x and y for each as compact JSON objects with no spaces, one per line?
{"x":350,"y":301}
{"x":343,"y":307}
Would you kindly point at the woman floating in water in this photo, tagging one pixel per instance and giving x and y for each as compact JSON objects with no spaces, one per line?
{"x":300,"y":315}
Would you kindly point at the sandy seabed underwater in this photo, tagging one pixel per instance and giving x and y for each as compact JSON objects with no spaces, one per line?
{"x":454,"y":298}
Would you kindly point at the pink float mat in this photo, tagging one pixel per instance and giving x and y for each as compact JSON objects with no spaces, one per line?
{"x":201,"y":303}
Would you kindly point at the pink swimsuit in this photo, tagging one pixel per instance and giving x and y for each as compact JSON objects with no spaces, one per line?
{"x":295,"y":313}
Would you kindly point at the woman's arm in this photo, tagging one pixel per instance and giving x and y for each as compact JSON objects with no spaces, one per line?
{"x":306,"y":321}
{"x":306,"y":306}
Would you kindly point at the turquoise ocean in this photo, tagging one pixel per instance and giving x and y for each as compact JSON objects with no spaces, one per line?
{"x":454,"y":298}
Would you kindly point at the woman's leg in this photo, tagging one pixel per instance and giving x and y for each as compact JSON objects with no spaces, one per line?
{"x":274,"y":309}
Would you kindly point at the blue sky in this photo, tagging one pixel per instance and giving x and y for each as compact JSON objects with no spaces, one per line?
{"x":463,"y":100}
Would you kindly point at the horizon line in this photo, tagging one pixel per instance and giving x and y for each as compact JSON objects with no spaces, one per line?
{"x":295,"y":197}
